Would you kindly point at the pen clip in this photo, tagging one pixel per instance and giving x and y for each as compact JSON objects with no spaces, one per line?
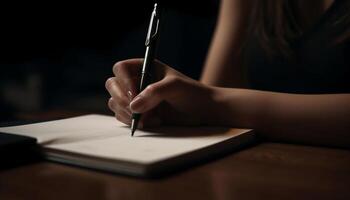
{"x":153,"y":27}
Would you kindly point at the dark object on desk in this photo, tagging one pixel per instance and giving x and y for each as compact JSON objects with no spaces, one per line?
{"x":17,"y":149}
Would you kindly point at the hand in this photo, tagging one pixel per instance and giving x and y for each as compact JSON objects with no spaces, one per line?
{"x":173,"y":99}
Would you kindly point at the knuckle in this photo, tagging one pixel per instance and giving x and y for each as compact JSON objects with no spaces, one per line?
{"x":120,"y":67}
{"x":122,"y":118}
{"x":118,"y":117}
{"x":109,"y":82}
{"x":116,"y":66}
{"x":121,"y":102}
{"x":111,"y":104}
{"x":173,"y":81}
{"x":116,"y":105}
{"x":151,"y":89}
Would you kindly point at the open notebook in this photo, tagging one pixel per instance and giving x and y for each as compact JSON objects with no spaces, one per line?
{"x":101,"y":142}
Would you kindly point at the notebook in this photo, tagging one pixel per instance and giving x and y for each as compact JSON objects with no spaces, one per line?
{"x":101,"y":142}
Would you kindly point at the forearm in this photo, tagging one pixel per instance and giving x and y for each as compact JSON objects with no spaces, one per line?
{"x":312,"y":119}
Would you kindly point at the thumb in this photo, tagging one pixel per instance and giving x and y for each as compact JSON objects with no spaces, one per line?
{"x":154,"y":94}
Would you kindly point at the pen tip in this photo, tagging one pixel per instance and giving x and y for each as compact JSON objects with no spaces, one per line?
{"x":133,"y":127}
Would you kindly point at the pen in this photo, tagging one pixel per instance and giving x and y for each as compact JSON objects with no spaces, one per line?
{"x":151,"y":39}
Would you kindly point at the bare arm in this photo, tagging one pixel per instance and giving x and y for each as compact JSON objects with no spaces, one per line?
{"x":310,"y":119}
{"x":222,"y":67}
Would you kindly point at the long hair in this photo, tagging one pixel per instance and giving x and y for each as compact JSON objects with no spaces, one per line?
{"x":275,"y":24}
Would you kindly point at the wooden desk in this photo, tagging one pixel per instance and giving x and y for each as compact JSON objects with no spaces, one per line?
{"x":266,"y":171}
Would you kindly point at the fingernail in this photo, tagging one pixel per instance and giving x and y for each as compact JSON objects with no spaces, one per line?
{"x":130,"y":95}
{"x":137,"y":104}
{"x":111,"y":104}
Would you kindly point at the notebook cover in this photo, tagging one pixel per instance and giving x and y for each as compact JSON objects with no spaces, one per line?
{"x":17,"y":149}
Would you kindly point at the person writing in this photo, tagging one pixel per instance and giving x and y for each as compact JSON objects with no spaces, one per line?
{"x":281,"y":67}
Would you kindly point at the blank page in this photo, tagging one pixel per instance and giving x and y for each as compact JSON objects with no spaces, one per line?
{"x":105,"y":137}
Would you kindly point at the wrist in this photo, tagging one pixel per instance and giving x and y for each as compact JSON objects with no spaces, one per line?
{"x":222,"y":107}
{"x":239,"y":108}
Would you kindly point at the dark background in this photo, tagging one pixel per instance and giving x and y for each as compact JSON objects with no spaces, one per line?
{"x":57,"y":55}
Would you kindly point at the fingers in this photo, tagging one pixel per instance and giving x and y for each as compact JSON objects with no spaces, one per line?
{"x":123,"y":89}
{"x":116,"y":106}
{"x":155,"y":93}
{"x":147,"y":120}
{"x":128,"y":73}
{"x":121,"y":97}
{"x":119,"y":102}
{"x":128,"y":68}
{"x":123,"y":114}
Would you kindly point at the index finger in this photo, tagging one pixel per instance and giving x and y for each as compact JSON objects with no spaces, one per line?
{"x":128,"y":69}
{"x":128,"y":74}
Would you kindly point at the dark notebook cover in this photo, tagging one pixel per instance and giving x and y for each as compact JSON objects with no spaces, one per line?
{"x":17,"y":149}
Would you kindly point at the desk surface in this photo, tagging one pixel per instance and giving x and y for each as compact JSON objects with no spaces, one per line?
{"x":265,"y":171}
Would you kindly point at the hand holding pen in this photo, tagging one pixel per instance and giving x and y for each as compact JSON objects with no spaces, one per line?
{"x":172,"y":99}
